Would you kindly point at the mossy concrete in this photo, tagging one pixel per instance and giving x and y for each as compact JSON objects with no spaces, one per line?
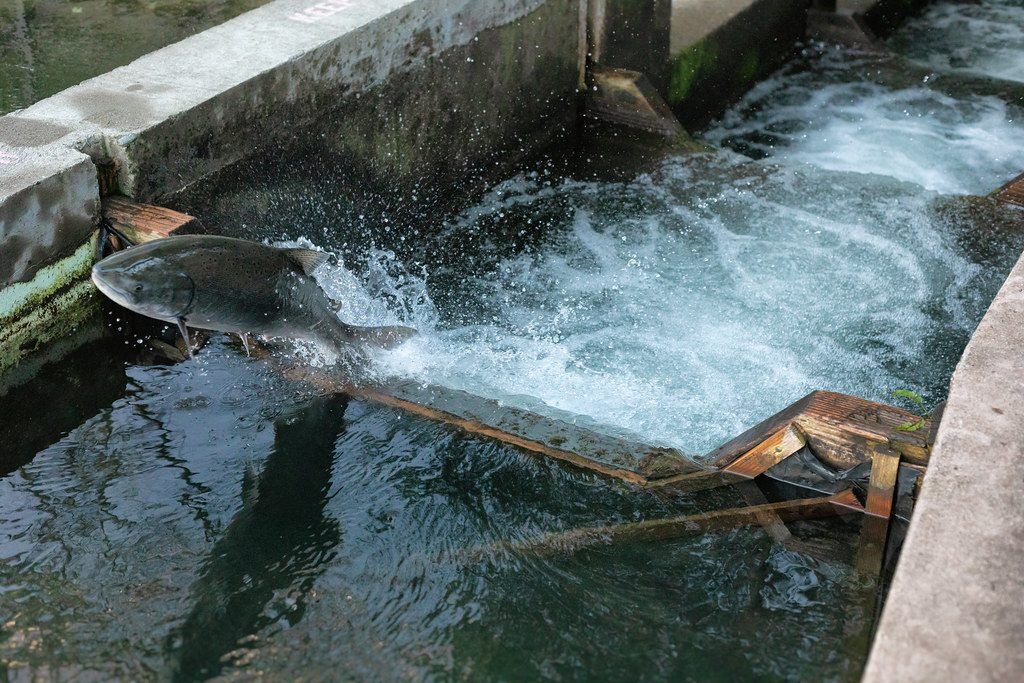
{"x":734,"y":45}
{"x":53,"y":305}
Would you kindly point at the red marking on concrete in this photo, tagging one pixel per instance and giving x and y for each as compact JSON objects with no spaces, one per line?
{"x":321,"y":10}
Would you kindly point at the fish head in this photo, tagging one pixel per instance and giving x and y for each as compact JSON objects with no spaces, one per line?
{"x":145,"y":283}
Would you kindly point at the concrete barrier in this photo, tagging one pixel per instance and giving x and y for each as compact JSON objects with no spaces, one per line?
{"x":955,"y":610}
{"x":720,"y":48}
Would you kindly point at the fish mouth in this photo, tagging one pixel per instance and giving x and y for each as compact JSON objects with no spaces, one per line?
{"x":108,"y":289}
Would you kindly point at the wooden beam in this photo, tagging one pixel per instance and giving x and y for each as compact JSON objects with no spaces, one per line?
{"x":878,"y":506}
{"x":146,"y":222}
{"x":625,"y":459}
{"x":1012,"y":192}
{"x":843,"y":503}
{"x":838,"y":427}
{"x":756,"y":461}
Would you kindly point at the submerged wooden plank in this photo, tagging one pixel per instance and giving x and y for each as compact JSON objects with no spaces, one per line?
{"x":614,"y":456}
{"x":674,"y":527}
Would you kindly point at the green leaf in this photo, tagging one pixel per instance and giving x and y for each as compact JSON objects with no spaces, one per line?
{"x":907,"y":393}
{"x":911,"y":426}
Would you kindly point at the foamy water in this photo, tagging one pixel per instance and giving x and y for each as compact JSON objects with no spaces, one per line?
{"x":819,"y":111}
{"x":985,"y":38}
{"x":690,"y":303}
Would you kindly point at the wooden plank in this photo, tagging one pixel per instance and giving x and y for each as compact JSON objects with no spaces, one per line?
{"x":885,"y":465}
{"x":766,"y":517}
{"x":842,"y":503}
{"x":756,"y":461}
{"x":146,"y":222}
{"x":838,"y":427}
{"x":1012,"y":192}
{"x":878,"y":509}
{"x":611,"y":456}
{"x":737,"y":446}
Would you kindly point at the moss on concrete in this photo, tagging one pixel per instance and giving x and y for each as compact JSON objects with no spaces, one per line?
{"x":51,"y":306}
{"x":710,"y":75}
{"x":689,"y":67}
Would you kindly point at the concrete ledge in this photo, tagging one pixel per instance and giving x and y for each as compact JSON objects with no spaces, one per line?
{"x":174,"y":116}
{"x":49,"y":202}
{"x":955,"y":611}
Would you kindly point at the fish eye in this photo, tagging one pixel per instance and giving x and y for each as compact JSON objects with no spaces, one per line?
{"x":138,"y":288}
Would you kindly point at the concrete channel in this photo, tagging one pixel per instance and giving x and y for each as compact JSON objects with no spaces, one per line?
{"x":426,"y":90}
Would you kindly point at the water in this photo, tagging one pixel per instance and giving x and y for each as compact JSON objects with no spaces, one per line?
{"x":819,"y":110}
{"x":179,"y":522}
{"x":49,"y":45}
{"x":982,"y":38}
{"x":214,"y":519}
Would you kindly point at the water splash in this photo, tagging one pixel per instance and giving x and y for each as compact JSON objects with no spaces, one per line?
{"x":690,"y":303}
{"x":981,"y":38}
{"x":819,"y":110}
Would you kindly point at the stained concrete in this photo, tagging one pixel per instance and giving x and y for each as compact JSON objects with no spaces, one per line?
{"x":409,"y":89}
{"x":49,"y":201}
{"x":721,"y":48}
{"x":955,"y":610}
{"x":174,"y":116}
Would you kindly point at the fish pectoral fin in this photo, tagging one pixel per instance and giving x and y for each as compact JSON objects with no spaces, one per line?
{"x":185,"y":336}
{"x":244,"y":336}
{"x":309,"y":259}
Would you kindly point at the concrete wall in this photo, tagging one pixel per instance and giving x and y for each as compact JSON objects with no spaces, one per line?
{"x":955,"y":610}
{"x":721,"y":48}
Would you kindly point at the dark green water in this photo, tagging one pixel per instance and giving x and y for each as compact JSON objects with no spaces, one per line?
{"x":49,"y":45}
{"x":209,"y":518}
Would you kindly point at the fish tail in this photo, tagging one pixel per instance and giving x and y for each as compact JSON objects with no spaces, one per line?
{"x":382,"y":337}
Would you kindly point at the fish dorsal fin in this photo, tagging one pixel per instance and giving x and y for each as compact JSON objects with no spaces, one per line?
{"x":308,"y":259}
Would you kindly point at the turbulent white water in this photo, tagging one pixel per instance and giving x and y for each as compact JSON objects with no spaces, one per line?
{"x":820,"y":111}
{"x":985,"y":38}
{"x":690,"y":303}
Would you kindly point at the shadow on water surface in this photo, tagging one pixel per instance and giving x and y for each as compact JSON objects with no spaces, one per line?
{"x":276,"y":545}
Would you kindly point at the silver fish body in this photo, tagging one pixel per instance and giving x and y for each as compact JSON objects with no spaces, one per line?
{"x":232,"y":285}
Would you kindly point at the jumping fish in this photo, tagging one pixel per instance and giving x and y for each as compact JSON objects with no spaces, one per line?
{"x":233,"y":285}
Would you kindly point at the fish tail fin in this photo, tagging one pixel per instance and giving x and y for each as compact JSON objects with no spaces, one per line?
{"x":382,"y":337}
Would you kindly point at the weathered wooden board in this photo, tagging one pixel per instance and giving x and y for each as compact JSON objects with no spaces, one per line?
{"x":1012,"y":192}
{"x":615,"y":456}
{"x":756,"y":461}
{"x":145,"y":222}
{"x":838,"y":429}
